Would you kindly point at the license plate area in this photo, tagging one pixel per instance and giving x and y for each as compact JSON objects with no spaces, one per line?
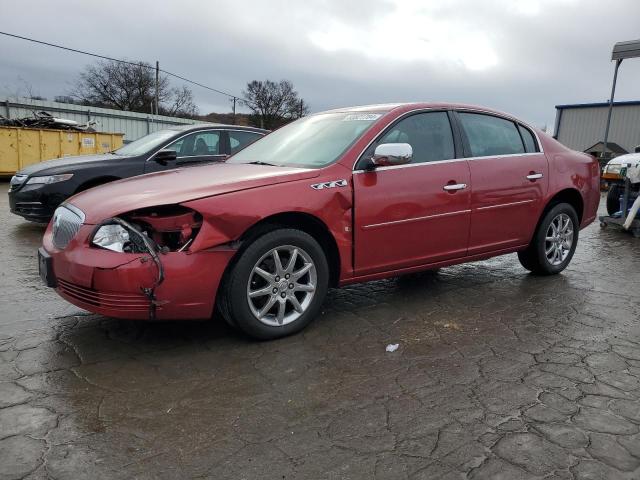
{"x":45,"y":268}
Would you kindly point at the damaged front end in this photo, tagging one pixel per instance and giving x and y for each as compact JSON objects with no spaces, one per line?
{"x":159,"y":263}
{"x":168,"y":228}
{"x":156,"y":231}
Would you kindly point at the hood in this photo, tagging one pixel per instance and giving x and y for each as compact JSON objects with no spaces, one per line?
{"x":178,"y":186}
{"x":632,"y":158}
{"x":62,"y":165}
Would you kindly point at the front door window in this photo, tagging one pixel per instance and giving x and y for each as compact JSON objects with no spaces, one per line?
{"x":197,"y":144}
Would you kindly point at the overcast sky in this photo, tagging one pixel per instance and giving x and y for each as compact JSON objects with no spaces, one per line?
{"x":520,"y":56}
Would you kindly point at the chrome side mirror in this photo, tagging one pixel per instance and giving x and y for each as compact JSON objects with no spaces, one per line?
{"x":389,"y":154}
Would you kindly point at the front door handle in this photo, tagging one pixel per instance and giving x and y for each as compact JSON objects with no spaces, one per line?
{"x":534,"y":176}
{"x":454,"y":186}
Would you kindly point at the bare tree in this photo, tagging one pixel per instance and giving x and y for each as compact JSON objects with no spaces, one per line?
{"x":180,"y":103}
{"x":24,"y":89}
{"x":273,"y":103}
{"x":131,"y":87}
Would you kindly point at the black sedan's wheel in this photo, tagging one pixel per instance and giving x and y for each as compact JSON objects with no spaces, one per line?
{"x":554,"y":242}
{"x":277,"y":285}
{"x":613,"y":199}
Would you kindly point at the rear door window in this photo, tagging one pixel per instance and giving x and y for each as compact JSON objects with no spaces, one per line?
{"x":490,"y":136}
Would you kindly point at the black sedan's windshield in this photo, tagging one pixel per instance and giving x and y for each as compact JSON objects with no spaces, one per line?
{"x":311,"y":142}
{"x":146,"y":143}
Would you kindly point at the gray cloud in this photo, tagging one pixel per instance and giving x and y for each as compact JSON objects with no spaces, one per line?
{"x":523,"y":57}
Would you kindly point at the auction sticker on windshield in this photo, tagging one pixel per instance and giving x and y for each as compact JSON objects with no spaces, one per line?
{"x":352,"y":117}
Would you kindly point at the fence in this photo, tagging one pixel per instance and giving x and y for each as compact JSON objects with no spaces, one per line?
{"x":133,"y":125}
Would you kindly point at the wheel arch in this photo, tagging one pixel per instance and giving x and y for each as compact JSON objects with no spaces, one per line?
{"x":305,"y":222}
{"x":569,"y":195}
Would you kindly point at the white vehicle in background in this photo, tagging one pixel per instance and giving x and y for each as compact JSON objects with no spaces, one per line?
{"x":612,"y":175}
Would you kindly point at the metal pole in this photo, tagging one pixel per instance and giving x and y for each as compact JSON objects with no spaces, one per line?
{"x":613,"y":92}
{"x":234,"y":110}
{"x":157,"y":84}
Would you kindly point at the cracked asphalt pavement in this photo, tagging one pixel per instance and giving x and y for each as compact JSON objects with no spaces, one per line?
{"x":499,"y":374}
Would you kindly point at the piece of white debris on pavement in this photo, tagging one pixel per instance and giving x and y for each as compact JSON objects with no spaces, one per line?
{"x":392,"y":347}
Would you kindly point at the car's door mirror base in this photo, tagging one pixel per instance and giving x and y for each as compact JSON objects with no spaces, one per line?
{"x":391,"y":154}
{"x":164,"y":156}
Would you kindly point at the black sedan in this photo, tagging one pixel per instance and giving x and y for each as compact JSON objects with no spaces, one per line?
{"x":37,"y":190}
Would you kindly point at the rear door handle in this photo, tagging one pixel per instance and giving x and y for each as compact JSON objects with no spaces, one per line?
{"x":455,"y":186}
{"x":534,"y":176}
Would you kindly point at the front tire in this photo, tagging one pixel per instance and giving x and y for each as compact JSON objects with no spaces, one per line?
{"x":553,"y":243}
{"x":277,"y":285}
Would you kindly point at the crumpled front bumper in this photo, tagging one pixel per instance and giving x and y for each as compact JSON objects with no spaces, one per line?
{"x":112,"y":284}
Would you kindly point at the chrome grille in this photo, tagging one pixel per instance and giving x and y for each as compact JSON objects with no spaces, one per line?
{"x":66,"y":223}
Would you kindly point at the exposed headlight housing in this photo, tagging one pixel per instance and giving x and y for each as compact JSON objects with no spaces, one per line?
{"x":112,"y":237}
{"x":166,"y":228}
{"x":47,"y":179}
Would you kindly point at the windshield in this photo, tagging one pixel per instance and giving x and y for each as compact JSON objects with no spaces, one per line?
{"x":311,"y":142}
{"x":146,"y":143}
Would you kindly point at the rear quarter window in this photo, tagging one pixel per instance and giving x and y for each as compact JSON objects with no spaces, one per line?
{"x":238,"y":140}
{"x":529,"y":140}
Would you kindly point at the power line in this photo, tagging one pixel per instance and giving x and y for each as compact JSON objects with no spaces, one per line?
{"x":199,"y":84}
{"x":119,"y":61}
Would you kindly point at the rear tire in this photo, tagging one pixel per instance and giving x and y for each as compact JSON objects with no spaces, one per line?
{"x":277,"y":285}
{"x":613,"y":199}
{"x":553,"y":243}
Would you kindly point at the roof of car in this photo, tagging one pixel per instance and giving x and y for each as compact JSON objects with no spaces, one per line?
{"x":407,"y":107}
{"x":223,"y":126}
{"x":387,"y":107}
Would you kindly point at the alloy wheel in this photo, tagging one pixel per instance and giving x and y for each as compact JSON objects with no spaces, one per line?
{"x":281,"y":285}
{"x":559,"y":239}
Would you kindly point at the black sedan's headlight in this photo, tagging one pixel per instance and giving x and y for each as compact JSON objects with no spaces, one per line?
{"x":47,"y":179}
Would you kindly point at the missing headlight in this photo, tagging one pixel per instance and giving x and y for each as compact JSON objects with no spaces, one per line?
{"x":172,"y":227}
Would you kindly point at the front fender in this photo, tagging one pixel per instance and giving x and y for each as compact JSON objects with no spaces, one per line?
{"x":227,"y":217}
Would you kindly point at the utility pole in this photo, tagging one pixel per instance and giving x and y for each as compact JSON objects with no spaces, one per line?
{"x":157,"y":84}
{"x":301,"y":108}
{"x":234,"y":110}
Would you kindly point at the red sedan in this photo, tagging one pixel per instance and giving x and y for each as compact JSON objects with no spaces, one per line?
{"x":338,"y":197}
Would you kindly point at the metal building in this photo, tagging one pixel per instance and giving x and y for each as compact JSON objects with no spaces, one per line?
{"x":132,"y":125}
{"x":581,"y":126}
